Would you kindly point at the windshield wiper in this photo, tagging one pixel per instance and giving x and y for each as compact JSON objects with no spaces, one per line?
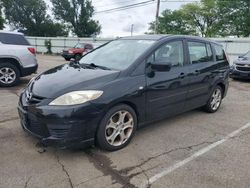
{"x":99,"y":66}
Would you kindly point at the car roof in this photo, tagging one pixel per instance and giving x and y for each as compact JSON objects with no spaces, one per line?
{"x":146,"y":37}
{"x":161,"y":36}
{"x":11,"y":32}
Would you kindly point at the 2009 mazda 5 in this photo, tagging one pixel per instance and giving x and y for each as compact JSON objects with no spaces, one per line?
{"x":121,"y":86}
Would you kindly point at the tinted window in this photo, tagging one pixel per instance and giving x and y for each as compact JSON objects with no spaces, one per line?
{"x":7,"y":38}
{"x":199,"y":52}
{"x":171,"y":52}
{"x":219,"y":53}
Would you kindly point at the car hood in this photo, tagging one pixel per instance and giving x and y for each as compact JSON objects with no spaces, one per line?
{"x":67,"y":78}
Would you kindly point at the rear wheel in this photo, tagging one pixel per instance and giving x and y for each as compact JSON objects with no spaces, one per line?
{"x":117,"y":128}
{"x":215,"y":100}
{"x":9,"y":75}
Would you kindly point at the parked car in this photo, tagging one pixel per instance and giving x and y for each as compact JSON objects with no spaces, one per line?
{"x":17,"y":58}
{"x":241,"y":67}
{"x":121,"y":86}
{"x":77,"y":51}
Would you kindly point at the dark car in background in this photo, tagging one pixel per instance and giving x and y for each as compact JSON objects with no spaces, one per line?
{"x":241,"y":67}
{"x":77,"y":52}
{"x":121,"y":86}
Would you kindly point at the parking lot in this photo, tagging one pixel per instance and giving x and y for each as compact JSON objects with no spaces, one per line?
{"x":194,"y":149}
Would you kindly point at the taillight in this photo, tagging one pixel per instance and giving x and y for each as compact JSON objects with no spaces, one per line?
{"x":32,"y":50}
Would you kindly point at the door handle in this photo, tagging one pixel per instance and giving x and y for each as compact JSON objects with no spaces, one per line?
{"x":197,"y":72}
{"x":182,"y":75}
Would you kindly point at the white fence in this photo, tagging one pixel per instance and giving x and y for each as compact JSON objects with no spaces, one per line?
{"x":233,"y":46}
{"x":60,"y":43}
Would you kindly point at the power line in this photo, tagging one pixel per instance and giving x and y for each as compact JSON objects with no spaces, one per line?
{"x":121,"y":2}
{"x":127,"y":6}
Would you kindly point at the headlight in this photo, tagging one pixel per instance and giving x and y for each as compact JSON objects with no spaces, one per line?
{"x":76,"y":97}
{"x":71,"y":52}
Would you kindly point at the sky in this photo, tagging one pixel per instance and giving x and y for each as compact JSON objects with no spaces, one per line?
{"x":119,"y":23}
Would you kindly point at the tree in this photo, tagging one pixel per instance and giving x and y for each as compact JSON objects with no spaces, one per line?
{"x":209,"y":18}
{"x":30,"y":16}
{"x":1,"y":18}
{"x":235,"y":17}
{"x":203,"y":17}
{"x":78,"y":14}
{"x":172,"y":22}
{"x":192,"y":18}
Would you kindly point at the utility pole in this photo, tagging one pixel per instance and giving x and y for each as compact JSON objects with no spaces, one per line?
{"x":132,"y":29}
{"x":157,"y":15}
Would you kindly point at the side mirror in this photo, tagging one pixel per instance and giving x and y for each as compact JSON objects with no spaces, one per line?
{"x":161,"y":66}
{"x":240,"y":56}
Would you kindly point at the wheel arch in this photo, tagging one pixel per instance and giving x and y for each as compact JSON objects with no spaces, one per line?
{"x":11,"y":60}
{"x":223,"y":87}
{"x":128,"y":103}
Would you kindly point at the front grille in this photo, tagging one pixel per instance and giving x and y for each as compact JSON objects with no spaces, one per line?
{"x":243,"y":68}
{"x":33,"y":99}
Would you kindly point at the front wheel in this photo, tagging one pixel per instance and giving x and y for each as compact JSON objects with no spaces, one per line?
{"x":215,"y":100}
{"x":117,"y":128}
{"x":78,"y":57}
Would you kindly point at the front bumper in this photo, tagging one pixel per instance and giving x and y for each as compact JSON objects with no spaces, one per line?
{"x":65,"y":127}
{"x":234,"y":73}
{"x":67,"y":55}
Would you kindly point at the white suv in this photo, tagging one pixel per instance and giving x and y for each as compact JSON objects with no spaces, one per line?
{"x":17,"y":58}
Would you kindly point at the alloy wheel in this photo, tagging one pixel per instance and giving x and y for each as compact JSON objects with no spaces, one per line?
{"x":216,"y":99}
{"x":7,"y":75}
{"x":119,"y":128}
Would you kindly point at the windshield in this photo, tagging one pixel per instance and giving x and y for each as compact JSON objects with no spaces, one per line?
{"x":79,"y":45}
{"x":118,"y":54}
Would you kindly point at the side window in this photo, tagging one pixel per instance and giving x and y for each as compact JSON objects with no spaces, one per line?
{"x":171,"y":52}
{"x":219,"y":53}
{"x":199,"y":52}
{"x":14,"y":39}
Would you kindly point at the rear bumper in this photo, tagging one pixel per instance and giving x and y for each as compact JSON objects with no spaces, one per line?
{"x":25,"y":71}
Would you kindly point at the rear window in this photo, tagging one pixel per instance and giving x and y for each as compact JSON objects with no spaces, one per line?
{"x":7,"y":38}
{"x":219,"y":53}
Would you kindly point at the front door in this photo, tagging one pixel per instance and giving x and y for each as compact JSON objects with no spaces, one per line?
{"x":166,"y":91}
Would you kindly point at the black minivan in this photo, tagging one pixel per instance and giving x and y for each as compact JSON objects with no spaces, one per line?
{"x":121,"y":86}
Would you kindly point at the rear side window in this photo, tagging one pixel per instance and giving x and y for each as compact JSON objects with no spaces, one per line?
{"x":219,"y":53}
{"x":7,"y":38}
{"x":199,"y":52}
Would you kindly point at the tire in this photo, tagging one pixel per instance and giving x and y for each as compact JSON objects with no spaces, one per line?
{"x":78,"y":57}
{"x":9,"y":75}
{"x":215,"y":100}
{"x":111,"y":124}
